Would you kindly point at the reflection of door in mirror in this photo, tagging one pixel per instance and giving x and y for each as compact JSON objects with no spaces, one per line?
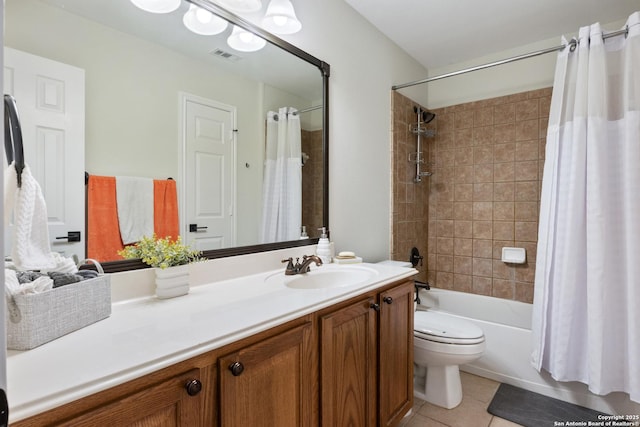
{"x":209,"y":173}
{"x":50,"y":100}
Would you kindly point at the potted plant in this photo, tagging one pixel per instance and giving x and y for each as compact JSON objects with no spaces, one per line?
{"x":170,"y":259}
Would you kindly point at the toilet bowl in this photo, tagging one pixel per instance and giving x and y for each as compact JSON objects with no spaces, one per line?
{"x":440,"y":344}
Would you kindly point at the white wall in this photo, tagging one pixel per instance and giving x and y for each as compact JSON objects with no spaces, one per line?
{"x":364,"y":66}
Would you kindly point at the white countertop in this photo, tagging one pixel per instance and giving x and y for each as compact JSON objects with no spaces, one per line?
{"x":146,"y":334}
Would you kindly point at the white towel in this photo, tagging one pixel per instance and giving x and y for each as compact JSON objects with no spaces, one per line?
{"x":14,"y":287}
{"x":134,"y":197}
{"x":10,"y":189}
{"x":30,"y":244}
{"x":63,"y":265}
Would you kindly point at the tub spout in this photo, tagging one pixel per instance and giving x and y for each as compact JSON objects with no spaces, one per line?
{"x":420,"y":285}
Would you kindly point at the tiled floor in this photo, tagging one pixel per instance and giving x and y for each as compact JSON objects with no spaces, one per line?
{"x":477,"y":393}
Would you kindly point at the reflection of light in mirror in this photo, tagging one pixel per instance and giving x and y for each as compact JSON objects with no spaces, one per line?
{"x":242,"y":6}
{"x":245,"y":41}
{"x":157,"y":6}
{"x":281,"y":18}
{"x":203,"y":22}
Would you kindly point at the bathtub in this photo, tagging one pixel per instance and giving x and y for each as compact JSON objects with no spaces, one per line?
{"x":507,"y":328}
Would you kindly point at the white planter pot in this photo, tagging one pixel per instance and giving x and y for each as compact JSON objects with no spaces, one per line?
{"x":172,"y":282}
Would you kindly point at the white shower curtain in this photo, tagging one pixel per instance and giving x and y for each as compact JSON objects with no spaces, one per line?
{"x":282,"y":184}
{"x":586,"y":321}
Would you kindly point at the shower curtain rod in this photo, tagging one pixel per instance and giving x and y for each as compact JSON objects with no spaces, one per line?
{"x":573,"y":43}
{"x":304,"y":110}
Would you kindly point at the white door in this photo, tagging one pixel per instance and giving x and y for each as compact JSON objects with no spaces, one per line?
{"x":50,"y":100}
{"x":208,"y":173}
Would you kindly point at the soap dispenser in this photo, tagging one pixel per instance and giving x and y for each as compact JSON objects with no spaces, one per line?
{"x":323,"y":250}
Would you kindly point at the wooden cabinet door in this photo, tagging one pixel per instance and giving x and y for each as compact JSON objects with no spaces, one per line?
{"x":269,"y":383}
{"x":348,"y":366}
{"x":167,"y":404}
{"x":396,"y":354}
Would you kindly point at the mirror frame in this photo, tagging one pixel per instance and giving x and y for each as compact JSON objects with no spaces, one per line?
{"x":324,"y":69}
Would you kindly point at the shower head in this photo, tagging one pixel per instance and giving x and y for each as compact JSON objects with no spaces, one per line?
{"x":427,"y":116}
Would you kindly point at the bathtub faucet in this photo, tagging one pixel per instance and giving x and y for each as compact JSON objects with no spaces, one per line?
{"x":420,"y":285}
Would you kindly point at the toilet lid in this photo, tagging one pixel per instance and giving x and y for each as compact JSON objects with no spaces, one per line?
{"x":444,"y":328}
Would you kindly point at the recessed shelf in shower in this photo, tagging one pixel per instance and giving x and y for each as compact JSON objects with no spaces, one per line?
{"x":418,"y":128}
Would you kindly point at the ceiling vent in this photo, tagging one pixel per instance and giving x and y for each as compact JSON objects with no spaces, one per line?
{"x":225,"y":55}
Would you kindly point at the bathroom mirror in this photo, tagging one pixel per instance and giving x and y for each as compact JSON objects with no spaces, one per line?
{"x":140,"y":66}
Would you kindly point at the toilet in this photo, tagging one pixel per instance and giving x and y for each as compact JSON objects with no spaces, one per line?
{"x":441,"y":343}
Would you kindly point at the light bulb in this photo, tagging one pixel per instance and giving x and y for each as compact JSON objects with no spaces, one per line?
{"x":246,"y":37}
{"x":280,"y":18}
{"x":241,"y":6}
{"x":245,"y":41}
{"x":157,"y":6}
{"x":203,"y":22}
{"x":203,"y":16}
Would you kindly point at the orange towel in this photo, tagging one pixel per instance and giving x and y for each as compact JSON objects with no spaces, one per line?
{"x":103,"y":240}
{"x":165,"y":209}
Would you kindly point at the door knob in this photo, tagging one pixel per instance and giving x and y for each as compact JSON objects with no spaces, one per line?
{"x":193,"y":228}
{"x":72,"y":236}
{"x":375,"y":306}
{"x":388,"y":300}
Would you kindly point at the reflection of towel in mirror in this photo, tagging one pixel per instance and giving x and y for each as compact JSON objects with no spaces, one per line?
{"x":103,"y":231}
{"x":135,"y":207}
{"x":165,"y":200}
{"x":30,"y":242}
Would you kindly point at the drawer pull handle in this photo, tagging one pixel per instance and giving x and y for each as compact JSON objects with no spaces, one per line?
{"x":388,"y":300}
{"x":193,"y":387}
{"x":236,"y":368}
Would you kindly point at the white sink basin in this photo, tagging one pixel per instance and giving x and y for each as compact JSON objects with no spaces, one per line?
{"x":327,"y":277}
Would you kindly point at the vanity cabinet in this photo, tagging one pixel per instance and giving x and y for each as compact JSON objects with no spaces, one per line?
{"x":395,"y":356}
{"x":177,"y":401}
{"x":172,"y":403}
{"x":366,"y":362}
{"x":350,"y":364}
{"x":269,"y":383}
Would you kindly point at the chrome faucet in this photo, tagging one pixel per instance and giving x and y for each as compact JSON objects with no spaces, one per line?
{"x":299,"y":268}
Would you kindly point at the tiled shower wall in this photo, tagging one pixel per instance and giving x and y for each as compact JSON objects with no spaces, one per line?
{"x":485,"y":192}
{"x":312,"y":182}
{"x":410,"y":200}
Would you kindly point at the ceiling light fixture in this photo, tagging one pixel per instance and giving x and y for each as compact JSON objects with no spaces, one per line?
{"x":241,"y":6}
{"x":157,"y":6}
{"x":245,"y":41}
{"x":280,"y":18}
{"x":203,"y":22}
